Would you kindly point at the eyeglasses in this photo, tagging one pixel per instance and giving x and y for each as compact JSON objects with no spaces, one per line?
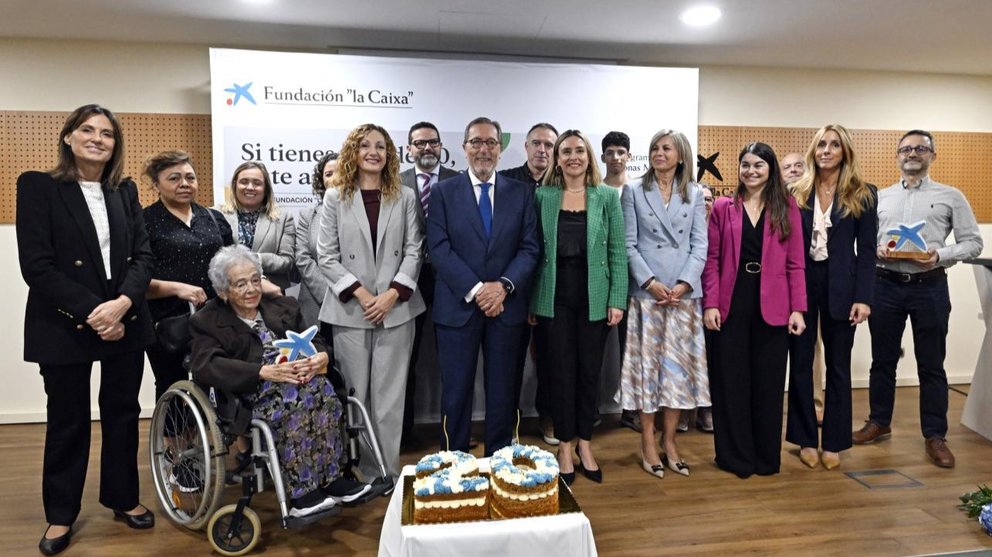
{"x":421,"y":143}
{"x":242,"y":285}
{"x":479,"y":143}
{"x":920,"y":150}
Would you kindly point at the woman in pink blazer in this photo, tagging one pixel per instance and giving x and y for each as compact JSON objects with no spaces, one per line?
{"x":754,"y":293}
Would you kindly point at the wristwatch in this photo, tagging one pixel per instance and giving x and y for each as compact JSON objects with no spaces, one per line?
{"x":507,"y":285}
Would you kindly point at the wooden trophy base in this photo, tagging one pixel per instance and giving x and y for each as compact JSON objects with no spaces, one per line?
{"x":912,"y":255}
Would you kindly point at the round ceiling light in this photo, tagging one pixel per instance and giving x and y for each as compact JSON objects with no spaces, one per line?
{"x":700,"y":16}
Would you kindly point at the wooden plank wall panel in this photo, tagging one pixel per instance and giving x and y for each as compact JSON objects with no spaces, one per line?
{"x":30,"y":142}
{"x":962,"y":160}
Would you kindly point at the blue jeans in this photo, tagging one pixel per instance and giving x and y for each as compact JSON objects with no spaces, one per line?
{"x":928,"y":306}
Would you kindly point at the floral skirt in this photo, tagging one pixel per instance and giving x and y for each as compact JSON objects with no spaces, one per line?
{"x":306,"y":422}
{"x":664,"y":361}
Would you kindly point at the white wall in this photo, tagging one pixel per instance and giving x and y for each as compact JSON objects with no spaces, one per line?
{"x":136,"y":77}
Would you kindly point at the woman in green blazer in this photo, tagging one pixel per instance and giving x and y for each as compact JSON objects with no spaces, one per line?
{"x":580,"y":291}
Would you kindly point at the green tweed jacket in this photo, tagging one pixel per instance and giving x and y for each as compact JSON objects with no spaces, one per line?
{"x":605,"y":250}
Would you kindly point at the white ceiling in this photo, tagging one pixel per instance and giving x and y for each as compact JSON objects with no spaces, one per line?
{"x":946,"y":36}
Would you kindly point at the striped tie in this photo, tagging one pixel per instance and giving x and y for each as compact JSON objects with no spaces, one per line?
{"x":425,"y":191}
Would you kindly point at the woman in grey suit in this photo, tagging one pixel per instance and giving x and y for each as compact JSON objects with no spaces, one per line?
{"x":369,"y":250}
{"x":664,"y":364}
{"x":258,"y":224}
{"x":313,"y":285}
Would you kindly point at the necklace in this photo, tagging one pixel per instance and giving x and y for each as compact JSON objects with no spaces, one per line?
{"x":583,"y":190}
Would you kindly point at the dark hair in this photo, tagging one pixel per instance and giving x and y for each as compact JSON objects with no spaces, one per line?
{"x":774,"y":196}
{"x":66,"y":171}
{"x":924,"y":133}
{"x":484,"y":120}
{"x":319,"y":187}
{"x":616,"y":138}
{"x":541,"y":125}
{"x":420,"y":126}
{"x":155,"y":164}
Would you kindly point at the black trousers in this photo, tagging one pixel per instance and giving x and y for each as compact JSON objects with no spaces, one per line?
{"x":574,"y":348}
{"x":747,"y":380}
{"x":168,"y":368}
{"x":67,"y":437}
{"x":838,"y":340}
{"x":409,"y":411}
{"x":928,"y":306}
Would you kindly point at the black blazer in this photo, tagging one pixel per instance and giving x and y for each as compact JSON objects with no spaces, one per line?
{"x":227,"y":353}
{"x":851,"y":275}
{"x":61,"y":263}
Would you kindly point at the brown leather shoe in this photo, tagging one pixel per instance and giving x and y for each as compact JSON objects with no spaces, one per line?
{"x":939,"y":453}
{"x":870,"y":433}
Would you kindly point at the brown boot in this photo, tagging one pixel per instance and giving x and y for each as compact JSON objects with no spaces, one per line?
{"x":939,"y":453}
{"x":870,"y":433}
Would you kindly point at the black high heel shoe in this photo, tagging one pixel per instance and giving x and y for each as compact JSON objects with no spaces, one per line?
{"x":568,"y":477}
{"x":54,"y":546}
{"x":594,"y":475}
{"x":141,"y":521}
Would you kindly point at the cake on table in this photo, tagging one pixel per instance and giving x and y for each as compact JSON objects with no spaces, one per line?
{"x":524,"y":482}
{"x":449,"y":488}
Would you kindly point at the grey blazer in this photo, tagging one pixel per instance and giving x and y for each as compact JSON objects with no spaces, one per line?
{"x":345,"y":255}
{"x":274,"y":241}
{"x":409,"y":179}
{"x":313,"y":284}
{"x":668,"y":244}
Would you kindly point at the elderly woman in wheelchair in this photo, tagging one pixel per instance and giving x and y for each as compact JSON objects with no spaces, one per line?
{"x":233,"y":351}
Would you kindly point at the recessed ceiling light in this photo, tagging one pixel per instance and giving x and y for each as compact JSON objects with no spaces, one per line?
{"x":701,"y":16}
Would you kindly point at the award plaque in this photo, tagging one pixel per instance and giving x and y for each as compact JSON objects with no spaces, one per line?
{"x":906,"y":242}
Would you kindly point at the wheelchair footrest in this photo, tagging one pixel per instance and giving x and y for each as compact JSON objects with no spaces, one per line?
{"x":300,"y":521}
{"x":381,"y":487}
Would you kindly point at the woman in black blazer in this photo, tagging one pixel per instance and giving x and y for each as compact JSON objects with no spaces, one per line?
{"x":84,"y":255}
{"x":840,"y":223}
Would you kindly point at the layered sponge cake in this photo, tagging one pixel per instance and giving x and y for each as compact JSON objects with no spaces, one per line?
{"x":524,"y":482}
{"x":449,"y":488}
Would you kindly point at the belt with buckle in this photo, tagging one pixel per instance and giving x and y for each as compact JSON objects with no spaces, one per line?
{"x":752,"y":267}
{"x":910,"y":278}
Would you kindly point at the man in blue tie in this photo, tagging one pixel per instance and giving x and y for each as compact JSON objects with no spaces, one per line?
{"x":483,"y":242}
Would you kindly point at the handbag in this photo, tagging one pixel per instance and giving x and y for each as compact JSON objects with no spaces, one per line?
{"x":173,"y":332}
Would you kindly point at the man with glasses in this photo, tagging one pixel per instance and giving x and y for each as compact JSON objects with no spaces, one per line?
{"x":539,"y":145}
{"x":917,"y":289}
{"x":423,"y":145}
{"x":482,"y":240}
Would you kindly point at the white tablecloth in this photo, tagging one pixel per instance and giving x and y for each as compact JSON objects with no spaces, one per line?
{"x":567,"y":535}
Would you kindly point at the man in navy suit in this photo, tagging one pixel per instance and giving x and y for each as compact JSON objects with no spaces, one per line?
{"x":482,"y":239}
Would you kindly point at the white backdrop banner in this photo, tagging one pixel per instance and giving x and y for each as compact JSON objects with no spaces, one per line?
{"x":287,"y":109}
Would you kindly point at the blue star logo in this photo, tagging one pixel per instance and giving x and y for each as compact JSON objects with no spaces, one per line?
{"x":908,"y":233}
{"x":240,"y":91}
{"x":298,"y":344}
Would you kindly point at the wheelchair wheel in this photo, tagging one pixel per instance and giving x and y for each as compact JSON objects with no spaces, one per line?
{"x":234,"y":541}
{"x":187,"y":455}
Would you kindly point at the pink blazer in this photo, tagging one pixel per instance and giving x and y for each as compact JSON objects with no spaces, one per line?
{"x":783,"y":278}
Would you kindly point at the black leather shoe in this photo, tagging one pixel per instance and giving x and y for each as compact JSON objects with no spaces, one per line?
{"x":568,"y":477}
{"x":141,"y":521}
{"x":54,"y":546}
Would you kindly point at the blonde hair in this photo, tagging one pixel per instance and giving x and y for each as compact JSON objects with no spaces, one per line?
{"x":269,"y":207}
{"x":685,"y":169}
{"x":853,"y":192}
{"x":556,"y":178}
{"x":345,"y":177}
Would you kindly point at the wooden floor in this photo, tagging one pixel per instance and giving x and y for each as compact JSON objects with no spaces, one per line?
{"x":887,"y":499}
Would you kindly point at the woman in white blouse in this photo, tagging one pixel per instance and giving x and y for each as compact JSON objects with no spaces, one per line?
{"x":840,"y":223}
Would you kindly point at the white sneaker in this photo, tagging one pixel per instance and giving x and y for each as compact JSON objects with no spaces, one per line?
{"x":322,"y":506}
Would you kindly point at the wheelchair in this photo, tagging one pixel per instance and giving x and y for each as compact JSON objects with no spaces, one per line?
{"x":189,"y":445}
